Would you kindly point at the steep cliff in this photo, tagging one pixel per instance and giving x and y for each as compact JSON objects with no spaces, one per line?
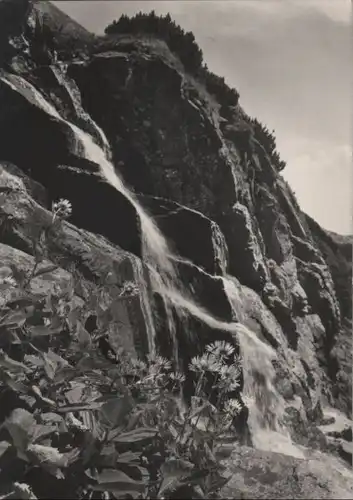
{"x":208,"y":228}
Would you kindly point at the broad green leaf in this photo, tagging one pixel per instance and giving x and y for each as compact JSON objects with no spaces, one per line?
{"x":169,"y":484}
{"x":74,"y":317}
{"x":116,"y":481}
{"x":64,"y":373}
{"x":41,"y":431}
{"x":176,"y":467}
{"x":84,"y":338}
{"x":120,"y":491}
{"x":4,"y":445}
{"x":34,"y":360}
{"x":113,"y":476}
{"x":137,"y":435}
{"x":128,"y":457}
{"x":41,"y":331}
{"x":76,"y":394}
{"x":173,"y":471}
{"x":49,"y":366}
{"x":80,"y":407}
{"x":116,"y":410}
{"x":20,"y":424}
{"x":12,"y":365}
{"x":203,"y":410}
{"x":51,"y":417}
{"x":14,"y":319}
{"x":15,"y":385}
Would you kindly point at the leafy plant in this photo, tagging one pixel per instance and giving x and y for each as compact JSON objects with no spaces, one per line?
{"x":76,"y":420}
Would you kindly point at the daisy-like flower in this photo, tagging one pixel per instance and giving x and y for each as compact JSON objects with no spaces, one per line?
{"x":238,"y":360}
{"x":232,"y":407}
{"x":229,"y":376}
{"x":129,"y":289}
{"x":231,"y":372}
{"x":138,"y":365}
{"x":158,"y":362}
{"x":206,"y":362}
{"x":220,"y":349}
{"x":177,"y":377}
{"x":61,"y":209}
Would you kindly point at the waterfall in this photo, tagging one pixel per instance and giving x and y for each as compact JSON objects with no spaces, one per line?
{"x":265,"y":404}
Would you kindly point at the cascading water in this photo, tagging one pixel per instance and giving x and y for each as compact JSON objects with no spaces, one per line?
{"x":265,"y":404}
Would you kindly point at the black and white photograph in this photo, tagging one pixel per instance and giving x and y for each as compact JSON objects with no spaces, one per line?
{"x":176,"y":229}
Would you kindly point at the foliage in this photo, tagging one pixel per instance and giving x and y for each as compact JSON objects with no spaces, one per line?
{"x":181,"y":43}
{"x":84,"y":424}
{"x":268,"y":141}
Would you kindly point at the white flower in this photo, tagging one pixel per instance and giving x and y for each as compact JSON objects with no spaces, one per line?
{"x":177,"y":377}
{"x":129,"y":289}
{"x":206,"y":362}
{"x":232,"y":407}
{"x":158,"y":362}
{"x":229,"y":376}
{"x":62,"y":209}
{"x":238,"y":360}
{"x":220,"y":349}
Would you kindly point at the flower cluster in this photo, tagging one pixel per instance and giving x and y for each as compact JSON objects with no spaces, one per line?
{"x":220,"y":349}
{"x":61,"y":209}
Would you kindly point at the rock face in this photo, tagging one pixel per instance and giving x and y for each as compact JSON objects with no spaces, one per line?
{"x":257,"y":474}
{"x":241,"y":248}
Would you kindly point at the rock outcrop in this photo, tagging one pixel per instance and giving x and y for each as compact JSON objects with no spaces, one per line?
{"x":242,"y":250}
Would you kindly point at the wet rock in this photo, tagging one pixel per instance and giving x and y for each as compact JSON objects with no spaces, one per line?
{"x":246,"y":259}
{"x":194,"y":236}
{"x":304,"y":432}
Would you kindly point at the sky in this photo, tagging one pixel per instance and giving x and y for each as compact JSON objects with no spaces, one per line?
{"x":290,"y":60}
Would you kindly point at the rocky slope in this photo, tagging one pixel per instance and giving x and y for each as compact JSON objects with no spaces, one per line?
{"x":248,"y":260}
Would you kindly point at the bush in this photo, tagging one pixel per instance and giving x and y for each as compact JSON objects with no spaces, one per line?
{"x":80,"y":420}
{"x":181,"y":43}
{"x":268,"y":141}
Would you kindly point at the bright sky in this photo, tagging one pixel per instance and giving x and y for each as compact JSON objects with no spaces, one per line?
{"x":291,"y":62}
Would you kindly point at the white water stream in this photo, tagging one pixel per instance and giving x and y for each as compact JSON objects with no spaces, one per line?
{"x":265,"y":405}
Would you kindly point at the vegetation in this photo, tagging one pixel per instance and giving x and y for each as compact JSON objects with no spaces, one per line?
{"x":181,"y":43}
{"x":268,"y":141}
{"x":79,"y":420}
